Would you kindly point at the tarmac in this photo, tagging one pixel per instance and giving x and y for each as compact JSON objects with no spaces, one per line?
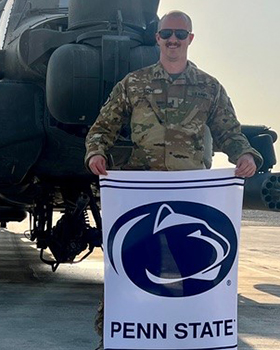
{"x":259,"y":288}
{"x":43,"y":310}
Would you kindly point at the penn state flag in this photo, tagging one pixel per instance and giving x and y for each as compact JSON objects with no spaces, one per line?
{"x":171,"y":254}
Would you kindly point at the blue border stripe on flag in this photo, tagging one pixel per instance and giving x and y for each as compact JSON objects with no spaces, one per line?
{"x":172,"y":181}
{"x":170,"y":188}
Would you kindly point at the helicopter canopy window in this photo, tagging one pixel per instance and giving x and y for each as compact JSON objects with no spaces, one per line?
{"x":49,"y":5}
{"x":63,"y":3}
{"x":29,"y":7}
{"x":5,"y":13}
{"x":2,"y":4}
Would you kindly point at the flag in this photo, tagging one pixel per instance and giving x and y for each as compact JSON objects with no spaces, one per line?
{"x":171,"y":254}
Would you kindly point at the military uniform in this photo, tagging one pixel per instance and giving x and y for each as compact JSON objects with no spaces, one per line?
{"x":168,"y":119}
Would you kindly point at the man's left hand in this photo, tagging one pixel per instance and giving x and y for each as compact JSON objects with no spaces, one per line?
{"x":245,"y":166}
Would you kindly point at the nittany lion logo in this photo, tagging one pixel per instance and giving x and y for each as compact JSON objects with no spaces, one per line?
{"x":173,"y":248}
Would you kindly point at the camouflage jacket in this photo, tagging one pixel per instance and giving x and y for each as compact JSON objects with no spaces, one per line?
{"x":167,"y":120}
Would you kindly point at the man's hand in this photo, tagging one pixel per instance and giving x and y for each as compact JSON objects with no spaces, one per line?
{"x":97,"y":165}
{"x":245,"y":166}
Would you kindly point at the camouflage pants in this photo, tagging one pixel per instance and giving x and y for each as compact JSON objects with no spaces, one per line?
{"x":99,"y":323}
{"x":99,"y":319}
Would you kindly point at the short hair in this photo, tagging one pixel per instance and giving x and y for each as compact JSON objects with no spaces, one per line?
{"x":175,"y":14}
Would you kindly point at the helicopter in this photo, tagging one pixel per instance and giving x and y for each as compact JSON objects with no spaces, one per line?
{"x":59,"y":60}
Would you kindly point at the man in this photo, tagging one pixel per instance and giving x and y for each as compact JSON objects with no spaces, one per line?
{"x":169,"y":106}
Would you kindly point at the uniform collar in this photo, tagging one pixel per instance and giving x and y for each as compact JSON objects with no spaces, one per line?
{"x":187,"y":76}
{"x":160,"y":73}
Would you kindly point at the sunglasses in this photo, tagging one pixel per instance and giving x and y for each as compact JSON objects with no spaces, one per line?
{"x":180,"y":34}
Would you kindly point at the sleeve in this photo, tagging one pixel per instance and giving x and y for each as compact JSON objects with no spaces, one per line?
{"x":108,"y":124}
{"x":226,"y":130}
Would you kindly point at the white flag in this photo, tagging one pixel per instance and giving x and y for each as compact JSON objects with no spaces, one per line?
{"x":170,"y":250}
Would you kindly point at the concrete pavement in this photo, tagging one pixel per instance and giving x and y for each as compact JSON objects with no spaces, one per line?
{"x":259,"y":288}
{"x":43,"y":310}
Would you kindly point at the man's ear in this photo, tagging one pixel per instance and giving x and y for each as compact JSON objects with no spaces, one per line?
{"x":191,"y":36}
{"x":157,"y":38}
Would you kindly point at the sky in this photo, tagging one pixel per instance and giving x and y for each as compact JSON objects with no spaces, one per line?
{"x":238,"y":42}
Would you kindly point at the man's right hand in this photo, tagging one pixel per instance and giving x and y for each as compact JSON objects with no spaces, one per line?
{"x":97,"y":165}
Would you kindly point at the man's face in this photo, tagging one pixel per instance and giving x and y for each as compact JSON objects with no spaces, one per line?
{"x":173,"y":49}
